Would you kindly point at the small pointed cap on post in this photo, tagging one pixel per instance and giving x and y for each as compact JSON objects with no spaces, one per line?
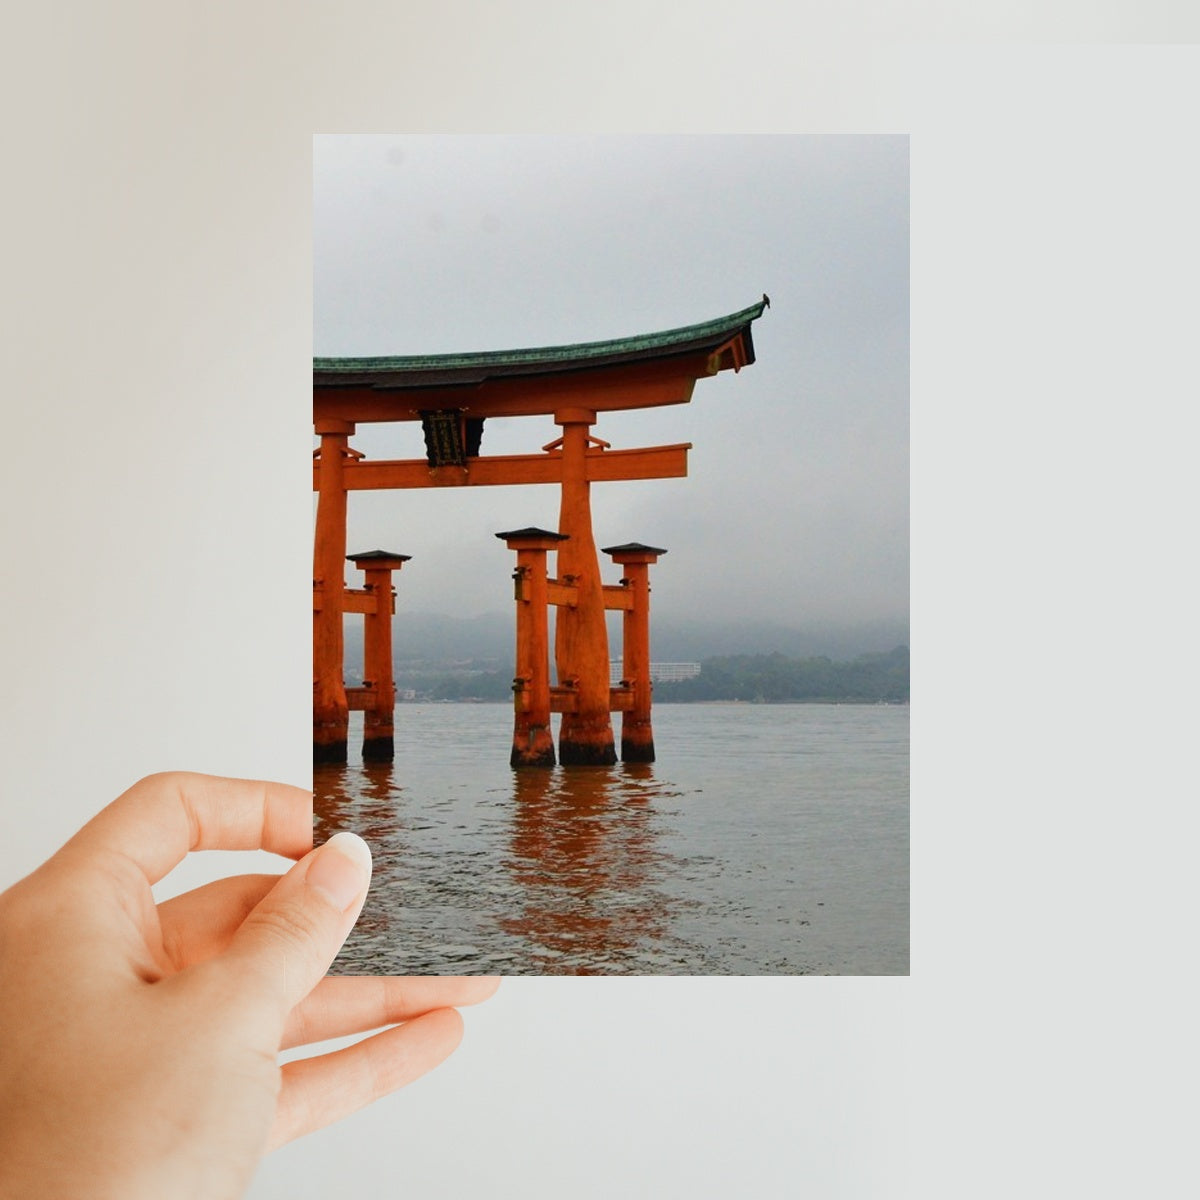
{"x":386,"y":560}
{"x":634,"y":552}
{"x":532,"y":538}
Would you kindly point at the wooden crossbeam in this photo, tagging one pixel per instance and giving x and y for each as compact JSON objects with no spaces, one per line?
{"x":360,"y":699}
{"x":565,"y":700}
{"x":356,"y":600}
{"x":650,"y":462}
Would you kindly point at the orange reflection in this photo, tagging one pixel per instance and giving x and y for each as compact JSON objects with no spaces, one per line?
{"x":583,"y":856}
{"x":562,"y":875}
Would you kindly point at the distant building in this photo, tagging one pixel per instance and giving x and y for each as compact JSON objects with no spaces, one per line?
{"x":659,"y":672}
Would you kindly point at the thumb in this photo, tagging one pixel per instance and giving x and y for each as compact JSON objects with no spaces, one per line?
{"x":285,"y":945}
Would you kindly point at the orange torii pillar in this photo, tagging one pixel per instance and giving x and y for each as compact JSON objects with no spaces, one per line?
{"x":330,"y":709}
{"x":585,"y":737}
{"x":533,"y":742}
{"x":378,"y":699}
{"x":637,"y":735}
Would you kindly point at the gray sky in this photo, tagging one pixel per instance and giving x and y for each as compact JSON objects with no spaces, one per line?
{"x":796,"y":504}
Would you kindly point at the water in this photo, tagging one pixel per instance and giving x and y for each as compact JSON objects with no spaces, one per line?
{"x":766,"y":840}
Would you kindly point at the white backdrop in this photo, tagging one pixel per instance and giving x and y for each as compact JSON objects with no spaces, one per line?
{"x":156,"y":509}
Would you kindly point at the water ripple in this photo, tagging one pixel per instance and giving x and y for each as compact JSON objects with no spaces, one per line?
{"x":755,"y":854}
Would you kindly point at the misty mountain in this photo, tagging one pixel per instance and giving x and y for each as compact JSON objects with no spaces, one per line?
{"x":489,"y":638}
{"x":693,"y":641}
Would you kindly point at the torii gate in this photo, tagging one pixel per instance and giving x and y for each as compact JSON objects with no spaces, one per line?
{"x":452,"y":395}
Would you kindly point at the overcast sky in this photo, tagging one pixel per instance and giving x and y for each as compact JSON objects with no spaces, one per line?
{"x":796,"y":504}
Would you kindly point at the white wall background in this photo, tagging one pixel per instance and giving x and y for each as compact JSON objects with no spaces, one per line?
{"x":156,"y":512}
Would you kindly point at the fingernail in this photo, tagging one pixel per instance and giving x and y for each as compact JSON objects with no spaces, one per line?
{"x":341,"y":869}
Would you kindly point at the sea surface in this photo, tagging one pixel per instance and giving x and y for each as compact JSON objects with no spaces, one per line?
{"x":766,"y":840}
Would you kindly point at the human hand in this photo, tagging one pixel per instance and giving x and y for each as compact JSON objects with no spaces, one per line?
{"x":139,"y":1042}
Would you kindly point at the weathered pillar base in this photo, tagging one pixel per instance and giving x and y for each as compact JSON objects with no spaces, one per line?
{"x":582,"y":754}
{"x":637,"y":742}
{"x":329,"y":752}
{"x":331,"y":726}
{"x":379,"y":741}
{"x":587,"y":744}
{"x":532,"y":748}
{"x":379,"y":748}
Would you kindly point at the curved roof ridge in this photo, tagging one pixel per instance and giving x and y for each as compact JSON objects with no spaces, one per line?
{"x":573,"y":352}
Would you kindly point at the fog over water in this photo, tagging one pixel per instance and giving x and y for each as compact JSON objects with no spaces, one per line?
{"x":795,"y":510}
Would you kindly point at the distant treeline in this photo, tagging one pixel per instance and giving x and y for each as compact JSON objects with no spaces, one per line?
{"x":456,"y":685}
{"x":777,"y":679}
{"x":754,"y":678}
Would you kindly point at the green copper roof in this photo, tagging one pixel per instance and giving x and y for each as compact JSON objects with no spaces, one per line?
{"x":426,"y":368}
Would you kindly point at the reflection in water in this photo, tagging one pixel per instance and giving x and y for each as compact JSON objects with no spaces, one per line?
{"x":565,"y":885}
{"x":367,"y":800}
{"x":583,"y":858}
{"x":363,"y":798}
{"x":765,"y":840}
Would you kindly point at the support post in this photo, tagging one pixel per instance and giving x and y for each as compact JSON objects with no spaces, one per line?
{"x":331,"y":713}
{"x":533,"y":743}
{"x":637,"y":733}
{"x":581,"y":633}
{"x":379,"y":743}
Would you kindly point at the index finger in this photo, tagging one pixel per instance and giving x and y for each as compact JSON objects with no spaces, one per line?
{"x":159,"y":820}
